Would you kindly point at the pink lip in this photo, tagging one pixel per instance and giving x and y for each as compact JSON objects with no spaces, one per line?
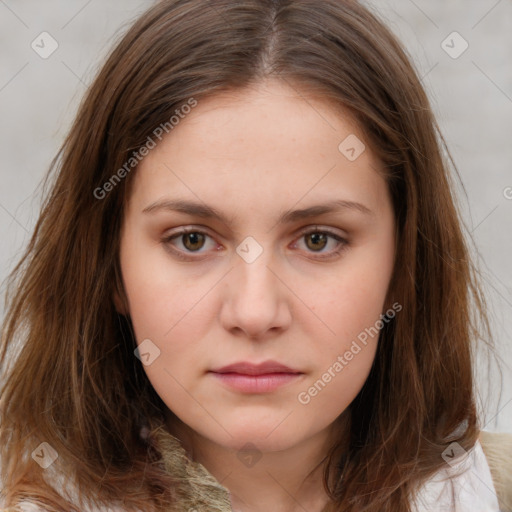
{"x":247,"y":368}
{"x":256,"y":378}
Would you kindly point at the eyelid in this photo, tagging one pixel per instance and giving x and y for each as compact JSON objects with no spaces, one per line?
{"x":193,"y":228}
{"x":322,"y":229}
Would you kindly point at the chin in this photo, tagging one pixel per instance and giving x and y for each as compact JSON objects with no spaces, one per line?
{"x":264,"y":436}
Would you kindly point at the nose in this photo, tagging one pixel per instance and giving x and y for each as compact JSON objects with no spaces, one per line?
{"x":256,"y":302}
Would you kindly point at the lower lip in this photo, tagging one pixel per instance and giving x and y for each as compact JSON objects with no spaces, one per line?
{"x":256,"y":383}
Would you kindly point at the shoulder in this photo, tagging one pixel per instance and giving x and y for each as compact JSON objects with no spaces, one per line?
{"x":34,"y":506}
{"x":26,"y":506}
{"x":464,"y":485}
{"x":497,"y":448}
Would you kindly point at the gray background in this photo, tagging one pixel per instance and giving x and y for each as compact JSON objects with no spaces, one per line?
{"x":471,"y":96}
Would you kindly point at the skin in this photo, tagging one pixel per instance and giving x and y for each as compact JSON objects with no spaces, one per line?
{"x":252,"y":154}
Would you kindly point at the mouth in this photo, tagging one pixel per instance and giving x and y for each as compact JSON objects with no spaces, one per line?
{"x":256,"y":378}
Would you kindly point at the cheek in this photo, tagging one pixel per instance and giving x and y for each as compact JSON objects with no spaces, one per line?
{"x":165,"y":303}
{"x":167,"y":309}
{"x":350,"y":305}
{"x":343,"y":360}
{"x":332,"y":389}
{"x":159,"y":294}
{"x":351,"y":302}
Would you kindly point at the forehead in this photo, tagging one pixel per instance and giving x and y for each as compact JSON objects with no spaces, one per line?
{"x":267,"y":144}
{"x":274,"y":112}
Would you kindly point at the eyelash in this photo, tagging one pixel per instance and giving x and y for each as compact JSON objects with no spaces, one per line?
{"x":166,"y":240}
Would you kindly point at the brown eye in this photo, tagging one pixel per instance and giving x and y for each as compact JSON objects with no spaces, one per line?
{"x":323,"y":243}
{"x":193,"y":241}
{"x":189,"y":241}
{"x":316,"y":241}
{"x":188,"y":244}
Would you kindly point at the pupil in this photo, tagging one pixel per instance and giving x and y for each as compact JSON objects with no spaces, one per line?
{"x":194,"y":238}
{"x":316,"y":237}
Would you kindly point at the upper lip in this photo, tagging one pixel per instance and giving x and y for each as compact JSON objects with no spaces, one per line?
{"x":246,"y":368}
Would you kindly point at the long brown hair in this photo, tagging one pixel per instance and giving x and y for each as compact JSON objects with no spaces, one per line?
{"x":70,"y":376}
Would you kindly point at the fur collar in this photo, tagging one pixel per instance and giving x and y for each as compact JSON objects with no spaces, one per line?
{"x":197,"y":489}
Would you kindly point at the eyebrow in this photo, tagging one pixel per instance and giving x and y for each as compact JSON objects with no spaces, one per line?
{"x":289,"y":216}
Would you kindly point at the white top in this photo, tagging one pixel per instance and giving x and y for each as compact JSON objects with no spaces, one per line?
{"x":473,"y":490}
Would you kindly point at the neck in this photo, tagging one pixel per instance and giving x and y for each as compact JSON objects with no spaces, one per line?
{"x":288,"y":480}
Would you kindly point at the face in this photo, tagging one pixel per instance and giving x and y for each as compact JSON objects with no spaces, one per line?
{"x":286,"y":258}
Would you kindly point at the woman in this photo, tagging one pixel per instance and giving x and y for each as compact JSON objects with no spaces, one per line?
{"x":184,"y":345}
